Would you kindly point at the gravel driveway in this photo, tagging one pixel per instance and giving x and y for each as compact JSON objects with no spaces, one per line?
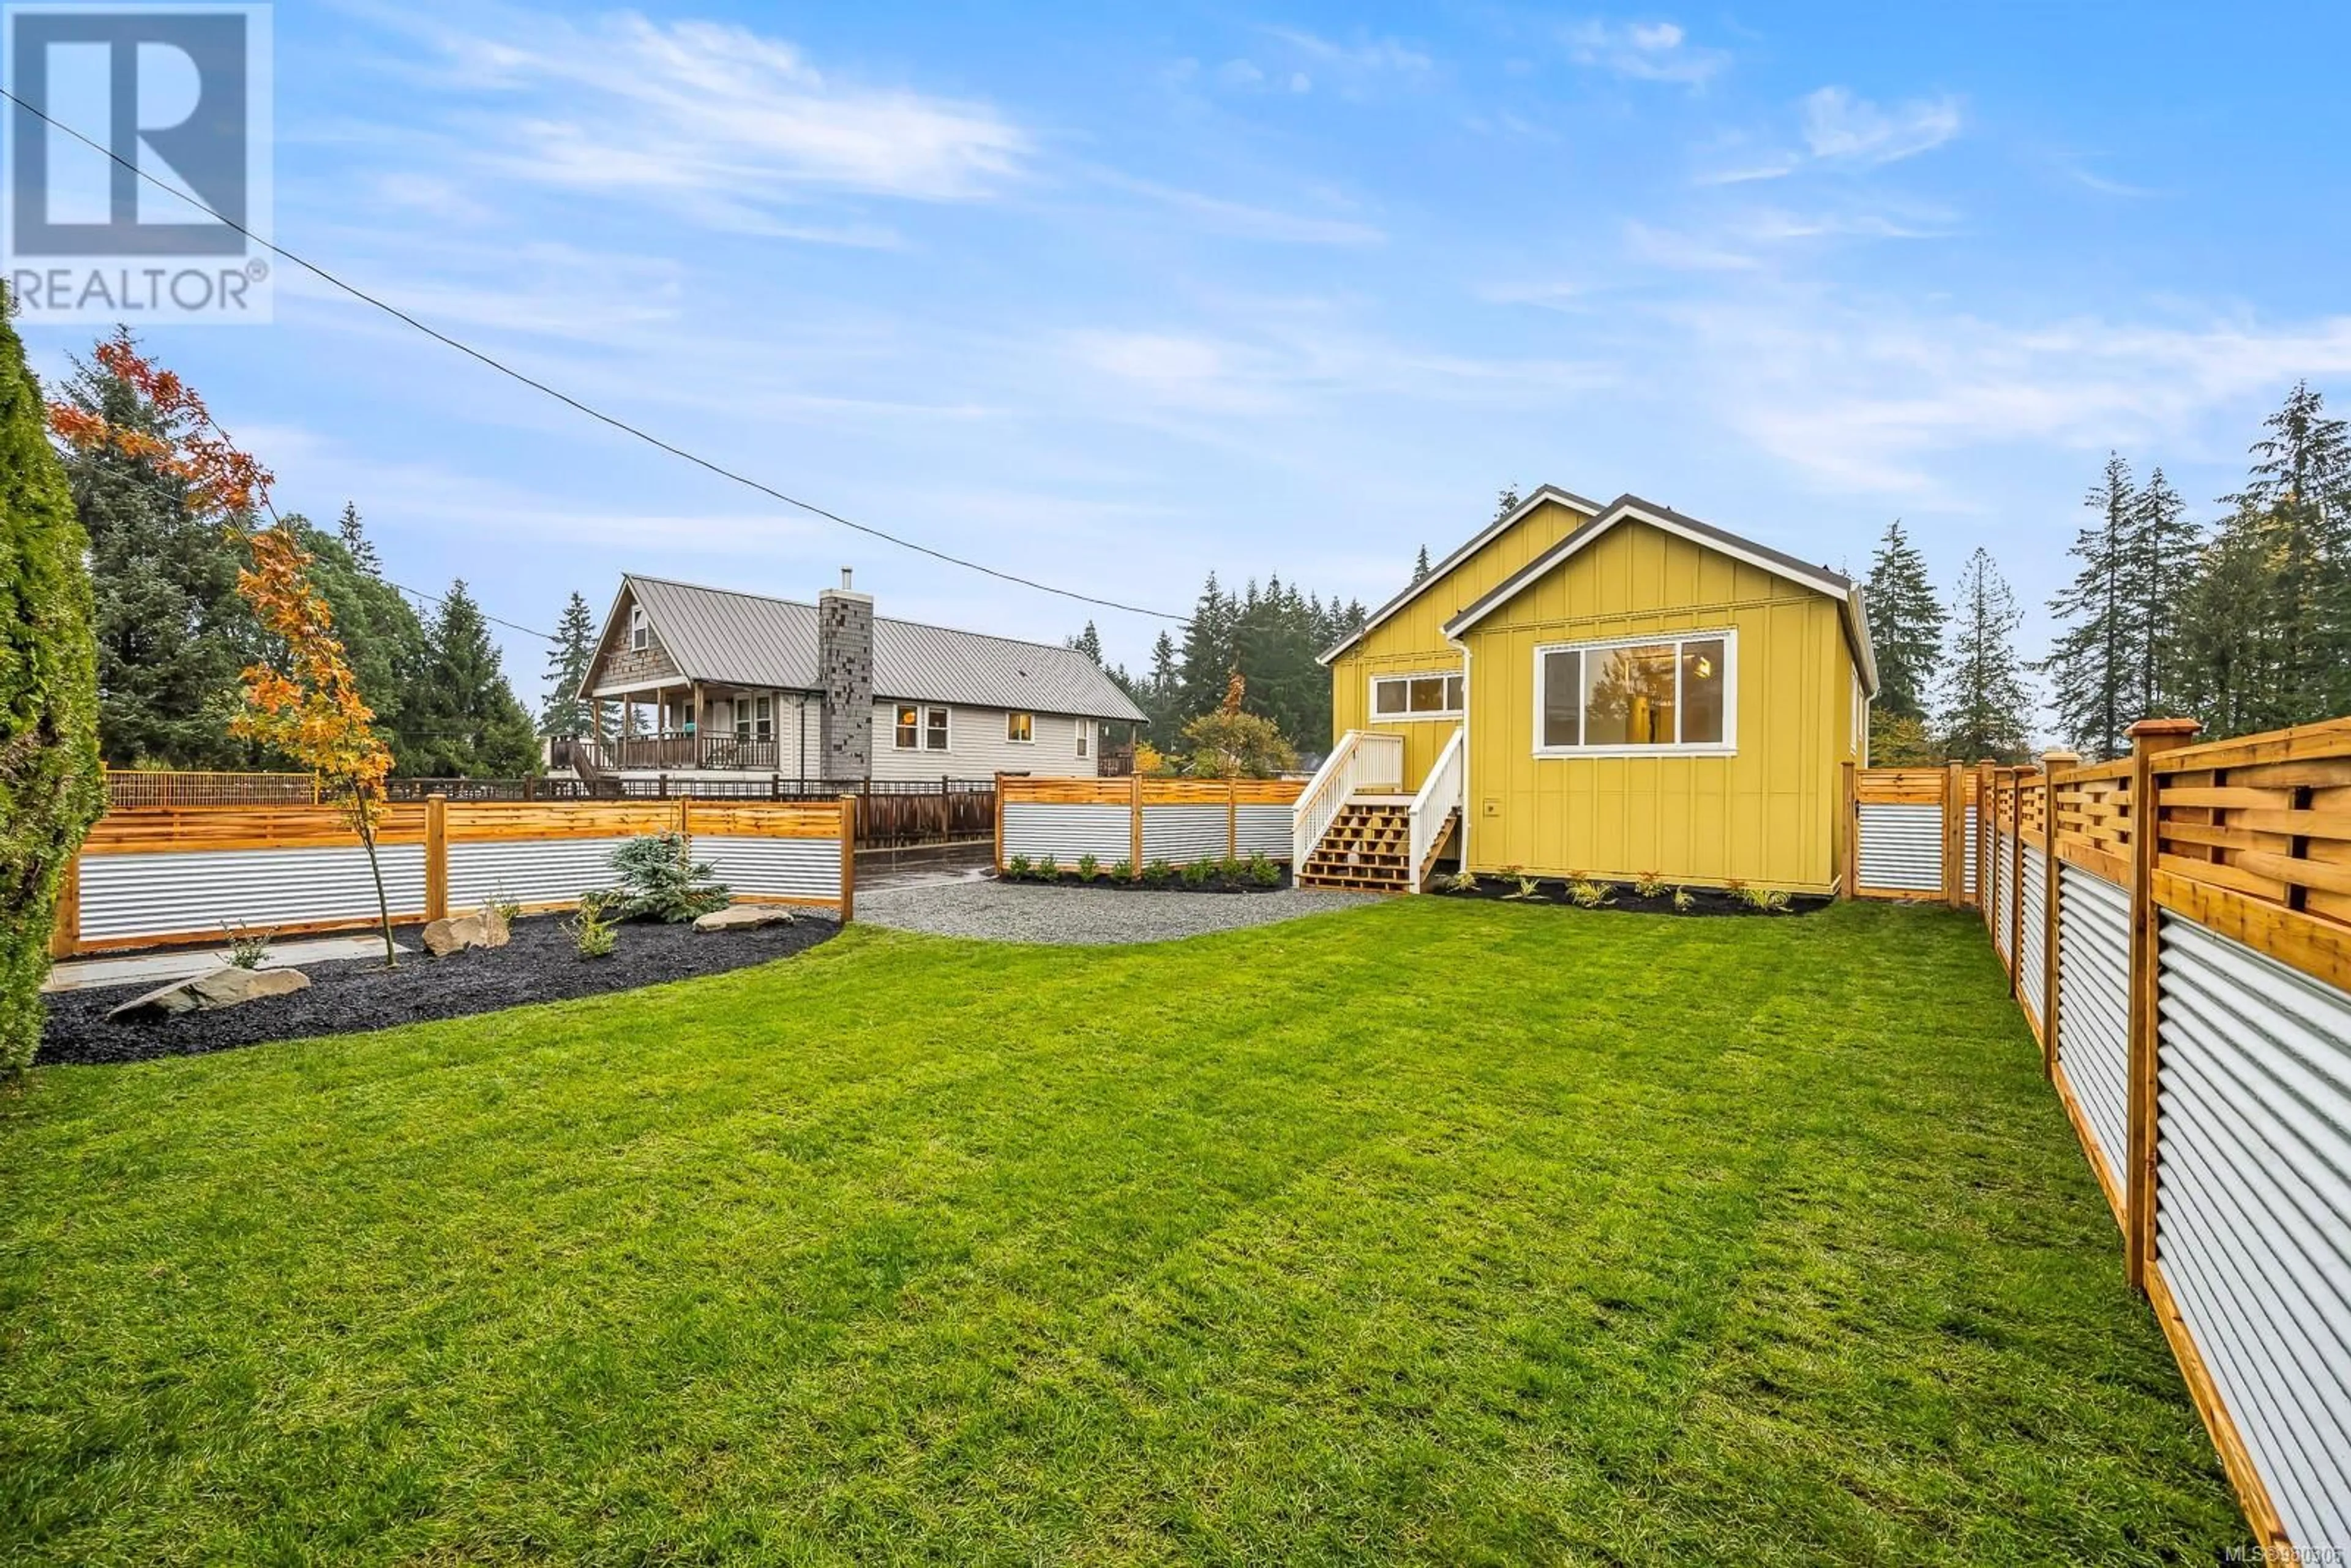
{"x":1005,"y":912}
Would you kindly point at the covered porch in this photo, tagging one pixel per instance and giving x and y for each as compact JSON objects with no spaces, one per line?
{"x":691,"y":726}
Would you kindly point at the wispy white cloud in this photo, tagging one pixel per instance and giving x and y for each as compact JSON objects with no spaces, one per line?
{"x":721,"y":122}
{"x":1837,"y":125}
{"x":1244,"y":220}
{"x":1645,"y":51}
{"x":1835,"y":128}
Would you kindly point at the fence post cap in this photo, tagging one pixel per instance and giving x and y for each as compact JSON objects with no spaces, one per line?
{"x":2060,"y":758}
{"x":2156,"y":728}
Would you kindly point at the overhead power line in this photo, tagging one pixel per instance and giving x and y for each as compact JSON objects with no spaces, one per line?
{"x":592,"y":411}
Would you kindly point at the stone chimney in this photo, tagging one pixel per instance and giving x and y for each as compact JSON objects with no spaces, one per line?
{"x":844,"y":666}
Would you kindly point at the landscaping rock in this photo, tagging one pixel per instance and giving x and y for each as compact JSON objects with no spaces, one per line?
{"x":455,"y":934}
{"x":226,"y":987}
{"x":745,"y":917}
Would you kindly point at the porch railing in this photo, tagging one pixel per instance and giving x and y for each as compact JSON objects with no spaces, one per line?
{"x":1440,"y":798}
{"x":1363,"y":759}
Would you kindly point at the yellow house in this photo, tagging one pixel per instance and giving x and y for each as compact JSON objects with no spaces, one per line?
{"x":1600,"y":691}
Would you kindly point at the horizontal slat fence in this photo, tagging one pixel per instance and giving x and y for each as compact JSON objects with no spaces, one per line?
{"x":164,"y":874}
{"x":2176,"y":926}
{"x":1140,"y":820}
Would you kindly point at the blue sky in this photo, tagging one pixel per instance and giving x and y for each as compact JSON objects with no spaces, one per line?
{"x":1115,"y":299}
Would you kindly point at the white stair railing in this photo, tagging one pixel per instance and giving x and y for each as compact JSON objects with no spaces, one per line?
{"x":1440,"y":795}
{"x":1363,"y":759}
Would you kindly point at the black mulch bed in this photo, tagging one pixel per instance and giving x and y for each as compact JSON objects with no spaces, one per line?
{"x":1110,"y":884}
{"x":539,"y":963}
{"x":1702,"y":900}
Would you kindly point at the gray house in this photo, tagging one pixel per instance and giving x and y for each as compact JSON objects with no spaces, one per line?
{"x":713,"y":681}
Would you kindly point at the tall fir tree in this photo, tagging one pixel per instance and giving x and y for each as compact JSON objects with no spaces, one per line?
{"x":383,"y":640}
{"x":2095,"y":663}
{"x":170,"y":631}
{"x":2300,"y":488}
{"x":564,"y":712}
{"x":355,"y":542}
{"x":2225,"y":668}
{"x":1420,"y":565}
{"x":1905,"y":626}
{"x":1986,"y":705}
{"x":2159,"y":574}
{"x":471,"y":725}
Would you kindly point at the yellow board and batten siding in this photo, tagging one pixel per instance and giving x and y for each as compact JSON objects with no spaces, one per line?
{"x":1412,"y":641}
{"x":1766,"y":815}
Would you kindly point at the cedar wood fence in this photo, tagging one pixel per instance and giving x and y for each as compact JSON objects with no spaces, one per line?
{"x":1139,"y":820}
{"x":2176,"y":926}
{"x":891,"y":812}
{"x":161,"y":874}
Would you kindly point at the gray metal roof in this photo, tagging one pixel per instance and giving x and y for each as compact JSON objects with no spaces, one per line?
{"x":725,"y":636}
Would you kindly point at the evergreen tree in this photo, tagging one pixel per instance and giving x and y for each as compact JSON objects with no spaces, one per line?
{"x":1506,"y":502}
{"x":1088,"y":643}
{"x":2095,"y":660}
{"x":565,"y":712}
{"x":384,"y":640}
{"x":1208,"y":651}
{"x":1905,"y":626}
{"x":355,"y":542}
{"x":2226,"y":666}
{"x":1986,"y":705}
{"x":1162,"y":696}
{"x":170,"y":631}
{"x":2159,"y":574}
{"x":49,"y":786}
{"x":1420,"y":565}
{"x":2301,"y":482}
{"x":470,"y":723}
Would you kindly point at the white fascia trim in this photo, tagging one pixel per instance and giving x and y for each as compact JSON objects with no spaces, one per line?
{"x":1437,"y":573}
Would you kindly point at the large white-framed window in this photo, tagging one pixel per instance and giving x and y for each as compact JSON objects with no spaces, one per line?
{"x":1432,"y":693}
{"x":640,"y":631}
{"x":1638,"y":697}
{"x":921,"y":728}
{"x":1020,"y":728}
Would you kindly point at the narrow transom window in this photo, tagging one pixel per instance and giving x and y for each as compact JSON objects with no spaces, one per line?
{"x":1432,"y":696}
{"x":640,"y":631}
{"x":1020,"y":727}
{"x":1655,"y":696}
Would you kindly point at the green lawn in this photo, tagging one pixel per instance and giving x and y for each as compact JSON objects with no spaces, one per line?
{"x":1438,"y":1230}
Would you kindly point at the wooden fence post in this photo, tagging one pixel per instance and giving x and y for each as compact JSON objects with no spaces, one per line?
{"x":2150,"y":738}
{"x":1134,"y":852}
{"x":2014,"y":878}
{"x":1986,"y":803}
{"x":848,"y":859}
{"x":65,"y":934}
{"x":999,"y":819}
{"x":436,"y":856}
{"x":2051,"y":894}
{"x":685,"y":815}
{"x":1955,"y":837}
{"x":1849,"y":849}
{"x":1232,"y":818}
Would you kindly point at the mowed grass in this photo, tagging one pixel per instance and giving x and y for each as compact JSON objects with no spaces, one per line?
{"x":1436,"y":1230}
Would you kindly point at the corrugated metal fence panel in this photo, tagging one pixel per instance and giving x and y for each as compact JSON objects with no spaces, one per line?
{"x":183,"y":894}
{"x":2093,"y":1008}
{"x":774,"y":868}
{"x":1969,"y":864}
{"x":1902,"y":848}
{"x":2253,"y":1180}
{"x":1265,"y":831}
{"x":1186,"y":833}
{"x":2003,"y":892}
{"x":2033,"y":962}
{"x":528,"y":870}
{"x":1037,"y":830}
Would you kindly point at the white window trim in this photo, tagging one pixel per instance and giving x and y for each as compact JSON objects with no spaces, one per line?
{"x":1371,"y":697}
{"x":1011,"y":740}
{"x":923,"y":712}
{"x":1084,"y":740}
{"x":1727,"y":747}
{"x":640,"y":630}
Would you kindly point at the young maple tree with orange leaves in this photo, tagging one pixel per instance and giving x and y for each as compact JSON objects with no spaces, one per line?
{"x":308,"y":706}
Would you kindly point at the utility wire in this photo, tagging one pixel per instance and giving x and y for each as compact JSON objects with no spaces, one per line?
{"x":565,"y":398}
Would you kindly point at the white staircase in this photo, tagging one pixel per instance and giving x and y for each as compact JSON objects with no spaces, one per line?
{"x":1356,"y":829}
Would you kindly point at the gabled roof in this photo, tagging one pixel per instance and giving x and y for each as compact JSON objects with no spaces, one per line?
{"x":723,"y":635}
{"x":1492,"y":532}
{"x":1630,"y":508}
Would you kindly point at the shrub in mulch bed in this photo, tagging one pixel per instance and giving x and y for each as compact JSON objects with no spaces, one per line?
{"x":1256,"y":874}
{"x":1668,"y":899}
{"x":539,"y":963}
